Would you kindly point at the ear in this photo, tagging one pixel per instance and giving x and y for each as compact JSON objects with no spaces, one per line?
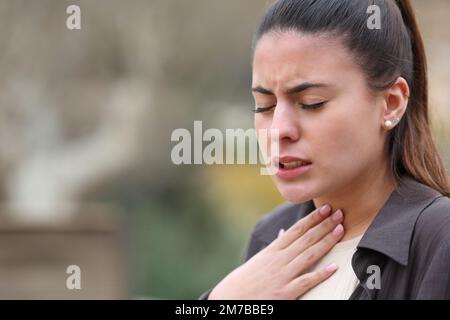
{"x":396,"y":101}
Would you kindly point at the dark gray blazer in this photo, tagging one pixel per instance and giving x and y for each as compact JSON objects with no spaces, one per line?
{"x":409,"y":240}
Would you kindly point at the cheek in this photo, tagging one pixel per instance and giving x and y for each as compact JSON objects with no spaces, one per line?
{"x":342,"y":142}
{"x":258,"y":123}
{"x":262,"y":123}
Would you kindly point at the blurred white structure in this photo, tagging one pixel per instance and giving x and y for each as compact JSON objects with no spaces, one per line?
{"x":49,"y":174}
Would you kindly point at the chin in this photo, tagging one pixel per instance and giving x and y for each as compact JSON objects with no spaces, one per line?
{"x":295,"y":192}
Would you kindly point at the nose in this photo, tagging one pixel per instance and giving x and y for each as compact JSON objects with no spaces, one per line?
{"x":286,"y":121}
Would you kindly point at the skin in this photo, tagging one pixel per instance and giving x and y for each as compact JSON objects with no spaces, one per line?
{"x":345,"y":139}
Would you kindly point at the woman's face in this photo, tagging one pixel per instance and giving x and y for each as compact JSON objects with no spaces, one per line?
{"x":340,"y":134}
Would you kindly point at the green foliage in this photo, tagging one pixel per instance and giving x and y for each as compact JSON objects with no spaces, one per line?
{"x":181,"y":253}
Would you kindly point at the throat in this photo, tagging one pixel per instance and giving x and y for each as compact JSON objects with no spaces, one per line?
{"x":359,"y":215}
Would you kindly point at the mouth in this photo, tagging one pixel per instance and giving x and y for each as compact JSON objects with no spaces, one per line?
{"x":290,"y":163}
{"x":291,"y":168}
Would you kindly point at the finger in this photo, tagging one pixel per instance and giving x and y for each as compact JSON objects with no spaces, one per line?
{"x":311,"y":255}
{"x":300,"y":285}
{"x":301,"y":226}
{"x":315,"y":234}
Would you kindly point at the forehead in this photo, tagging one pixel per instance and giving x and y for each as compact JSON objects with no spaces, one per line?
{"x":283,"y":59}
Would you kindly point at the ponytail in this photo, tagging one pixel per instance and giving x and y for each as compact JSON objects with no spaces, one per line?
{"x":414,"y":150}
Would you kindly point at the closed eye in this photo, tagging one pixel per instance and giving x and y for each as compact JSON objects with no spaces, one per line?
{"x":312,"y":106}
{"x":261,"y":110}
{"x":304,"y":106}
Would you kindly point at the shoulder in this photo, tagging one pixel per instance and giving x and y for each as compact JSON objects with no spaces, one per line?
{"x":433,"y":225}
{"x":284,"y":216}
{"x":431,"y":251}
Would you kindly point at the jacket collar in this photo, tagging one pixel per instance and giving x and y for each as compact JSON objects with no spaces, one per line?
{"x":390,"y":233}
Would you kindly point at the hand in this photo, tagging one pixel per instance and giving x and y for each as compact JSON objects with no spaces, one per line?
{"x":279,"y":271}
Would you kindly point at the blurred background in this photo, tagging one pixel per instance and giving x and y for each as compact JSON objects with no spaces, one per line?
{"x":86,"y":118}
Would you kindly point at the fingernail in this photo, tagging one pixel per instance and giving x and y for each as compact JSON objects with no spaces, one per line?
{"x":280,"y":232}
{"x":337,"y":216}
{"x":332,"y":267}
{"x":325,"y":210}
{"x":338,"y":230}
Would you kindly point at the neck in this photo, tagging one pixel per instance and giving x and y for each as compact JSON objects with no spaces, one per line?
{"x":360,"y":201}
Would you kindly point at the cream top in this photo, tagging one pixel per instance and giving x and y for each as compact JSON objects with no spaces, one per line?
{"x":343,"y":282}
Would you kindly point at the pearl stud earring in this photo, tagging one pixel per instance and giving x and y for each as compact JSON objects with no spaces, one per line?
{"x":390,"y":123}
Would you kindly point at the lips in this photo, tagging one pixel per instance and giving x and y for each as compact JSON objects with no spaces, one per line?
{"x":292,"y":168}
{"x":288,"y":162}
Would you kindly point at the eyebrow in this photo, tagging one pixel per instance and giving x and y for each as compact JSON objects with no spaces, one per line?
{"x":296,"y":89}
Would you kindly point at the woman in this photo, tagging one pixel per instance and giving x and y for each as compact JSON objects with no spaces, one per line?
{"x":368,"y":214}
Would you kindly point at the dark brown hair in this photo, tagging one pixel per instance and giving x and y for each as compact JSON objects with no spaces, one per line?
{"x":384,"y":54}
